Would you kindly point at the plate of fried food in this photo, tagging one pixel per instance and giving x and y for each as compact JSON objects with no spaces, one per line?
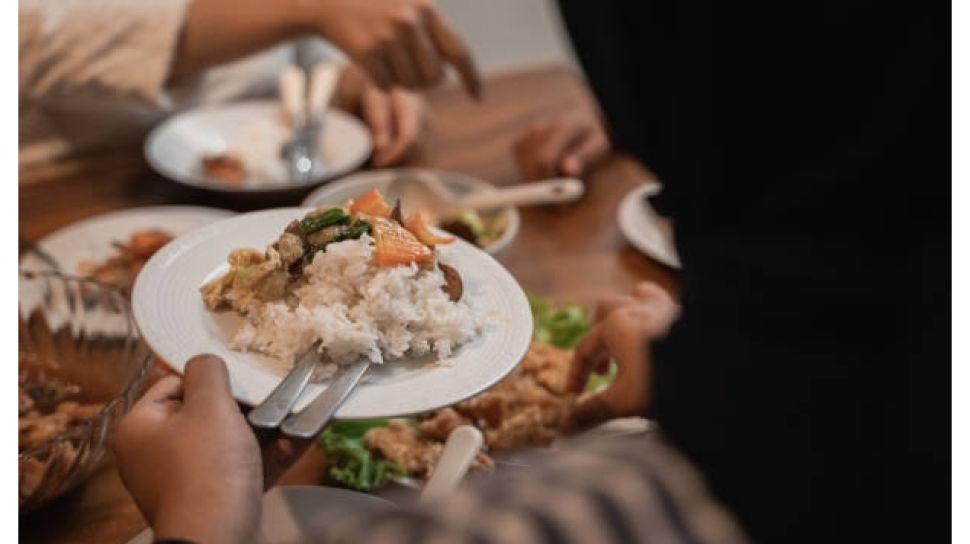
{"x":438,"y":319}
{"x":531,"y":408}
{"x":112,"y":248}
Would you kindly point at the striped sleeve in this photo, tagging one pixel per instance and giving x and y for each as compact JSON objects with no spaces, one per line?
{"x":616,"y":490}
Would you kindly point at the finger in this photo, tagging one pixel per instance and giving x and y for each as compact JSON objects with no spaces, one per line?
{"x":649,"y":290}
{"x":451,"y":47}
{"x":586,"y":356}
{"x":165,"y":389}
{"x":426,"y":58}
{"x":403,"y":67}
{"x":378,"y":69}
{"x":406,"y":110}
{"x":162,"y":399}
{"x":588,"y":150}
{"x":556,"y":145}
{"x":590,"y":410}
{"x":376,"y":108}
{"x":526,"y":150}
{"x":206,"y":383}
{"x":606,"y":305}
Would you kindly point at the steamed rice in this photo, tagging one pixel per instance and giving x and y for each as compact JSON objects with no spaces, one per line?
{"x":356,"y":309}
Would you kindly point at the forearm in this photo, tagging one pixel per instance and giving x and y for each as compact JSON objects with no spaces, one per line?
{"x":220,"y":31}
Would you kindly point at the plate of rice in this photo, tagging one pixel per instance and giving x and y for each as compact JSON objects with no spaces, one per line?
{"x":349,"y":282}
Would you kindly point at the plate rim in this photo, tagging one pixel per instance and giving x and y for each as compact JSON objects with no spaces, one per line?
{"x":626,"y":207}
{"x":168,"y":174}
{"x":45,"y":241}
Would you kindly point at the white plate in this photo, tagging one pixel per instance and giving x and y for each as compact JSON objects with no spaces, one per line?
{"x":176,"y":325}
{"x":91,"y":238}
{"x":291,"y":512}
{"x":357,"y":184}
{"x":644,"y":229}
{"x":255,"y":131}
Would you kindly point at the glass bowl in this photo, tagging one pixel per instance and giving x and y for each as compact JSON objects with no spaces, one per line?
{"x":78,"y":343}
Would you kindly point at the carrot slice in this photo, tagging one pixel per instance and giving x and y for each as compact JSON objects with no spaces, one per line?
{"x":371,"y":203}
{"x":394,"y":245}
{"x":418,"y":227}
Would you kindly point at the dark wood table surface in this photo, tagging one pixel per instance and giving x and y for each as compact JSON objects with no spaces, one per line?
{"x":572,"y":253}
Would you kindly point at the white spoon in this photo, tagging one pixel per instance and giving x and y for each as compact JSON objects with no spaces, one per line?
{"x":430,"y":195}
{"x":462,"y":445}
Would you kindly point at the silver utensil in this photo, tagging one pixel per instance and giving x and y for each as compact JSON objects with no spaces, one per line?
{"x":305,"y":107}
{"x":311,"y":420}
{"x":277,"y":405}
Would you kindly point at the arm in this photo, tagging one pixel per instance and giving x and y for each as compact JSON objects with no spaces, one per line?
{"x":132,"y":50}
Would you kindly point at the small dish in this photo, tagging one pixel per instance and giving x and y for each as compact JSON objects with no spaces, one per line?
{"x":646,"y":230}
{"x":349,"y":187}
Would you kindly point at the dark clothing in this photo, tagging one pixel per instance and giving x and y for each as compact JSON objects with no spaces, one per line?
{"x":804,"y":151}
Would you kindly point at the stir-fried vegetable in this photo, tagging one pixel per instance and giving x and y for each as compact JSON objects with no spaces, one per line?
{"x":418,"y":227}
{"x":351,"y":463}
{"x":358,"y":229}
{"x":371,"y":203}
{"x":329,"y":218}
{"x":394,"y":245}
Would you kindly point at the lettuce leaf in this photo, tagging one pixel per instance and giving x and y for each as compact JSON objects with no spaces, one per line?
{"x":351,"y":463}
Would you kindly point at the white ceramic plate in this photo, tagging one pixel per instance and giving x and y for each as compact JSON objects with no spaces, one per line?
{"x":646,"y":230}
{"x":91,"y":238}
{"x":255,"y":131}
{"x":354,"y":185}
{"x":291,"y":512}
{"x":176,"y":325}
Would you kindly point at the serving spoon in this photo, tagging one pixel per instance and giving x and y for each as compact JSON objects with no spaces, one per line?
{"x":430,"y":195}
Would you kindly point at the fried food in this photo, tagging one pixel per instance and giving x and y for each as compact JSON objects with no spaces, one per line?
{"x":530,"y":407}
{"x":121,"y":269}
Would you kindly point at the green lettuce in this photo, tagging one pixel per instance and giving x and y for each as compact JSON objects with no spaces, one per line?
{"x":351,"y":463}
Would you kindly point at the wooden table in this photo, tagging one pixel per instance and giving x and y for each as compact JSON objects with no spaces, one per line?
{"x":573,"y":253}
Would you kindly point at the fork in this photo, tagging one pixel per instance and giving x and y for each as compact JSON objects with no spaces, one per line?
{"x":277,"y":405}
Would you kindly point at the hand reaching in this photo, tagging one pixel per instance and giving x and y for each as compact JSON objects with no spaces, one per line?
{"x":623,"y":327}
{"x":565,"y":146}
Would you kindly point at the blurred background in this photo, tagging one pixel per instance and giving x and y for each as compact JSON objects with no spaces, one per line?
{"x":505,"y":34}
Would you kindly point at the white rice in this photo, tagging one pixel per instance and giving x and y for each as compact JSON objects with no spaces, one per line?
{"x":356,"y":309}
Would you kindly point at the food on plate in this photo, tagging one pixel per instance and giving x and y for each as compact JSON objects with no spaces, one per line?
{"x":227,"y":168}
{"x":121,"y":269}
{"x":530,"y":407}
{"x":350,"y":463}
{"x":480,"y":229}
{"x":352,"y":278}
{"x":48,"y":407}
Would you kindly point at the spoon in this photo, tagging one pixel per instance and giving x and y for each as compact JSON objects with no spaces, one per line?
{"x":430,"y":195}
{"x":460,"y":449}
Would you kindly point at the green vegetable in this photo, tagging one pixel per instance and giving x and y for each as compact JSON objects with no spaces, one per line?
{"x":356,"y":230}
{"x":474,"y":222}
{"x":561,"y":327}
{"x":329,"y":218}
{"x":599,"y":381}
{"x":351,"y":463}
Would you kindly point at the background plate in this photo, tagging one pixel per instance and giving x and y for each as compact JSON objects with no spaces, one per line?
{"x":255,"y":131}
